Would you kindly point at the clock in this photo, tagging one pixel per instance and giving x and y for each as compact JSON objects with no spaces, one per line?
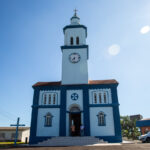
{"x":74,"y":57}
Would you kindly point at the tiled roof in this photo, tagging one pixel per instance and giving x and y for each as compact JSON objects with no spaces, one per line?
{"x":112,"y":81}
{"x":13,"y":128}
{"x":145,"y":119}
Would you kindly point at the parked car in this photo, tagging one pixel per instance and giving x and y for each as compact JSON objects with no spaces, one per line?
{"x":145,"y":138}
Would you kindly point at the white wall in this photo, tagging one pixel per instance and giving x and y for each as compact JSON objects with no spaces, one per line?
{"x":74,"y":32}
{"x":48,"y":131}
{"x":70,"y":103}
{"x":75,"y":73}
{"x":8,"y":134}
{"x":79,"y":101}
{"x":25,"y":134}
{"x":107,"y":130}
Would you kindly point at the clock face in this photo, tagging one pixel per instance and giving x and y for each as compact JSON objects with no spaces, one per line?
{"x":74,"y":57}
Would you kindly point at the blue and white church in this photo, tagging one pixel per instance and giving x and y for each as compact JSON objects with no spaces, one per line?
{"x":75,"y":100}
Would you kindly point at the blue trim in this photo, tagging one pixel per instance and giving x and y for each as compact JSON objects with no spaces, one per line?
{"x":75,"y":26}
{"x":45,"y":106}
{"x":40,"y":139}
{"x":76,"y":47}
{"x":62,"y":123}
{"x":74,"y":17}
{"x":116,"y":114}
{"x":111,"y":139}
{"x":75,"y":112}
{"x":33,"y":127}
{"x":103,"y":105}
{"x":86,"y":111}
{"x":143,"y":123}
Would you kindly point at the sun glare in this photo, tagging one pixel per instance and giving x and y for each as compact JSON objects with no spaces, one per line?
{"x":145,"y":29}
{"x":114,"y":49}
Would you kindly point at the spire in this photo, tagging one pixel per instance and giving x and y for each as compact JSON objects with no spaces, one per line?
{"x":75,"y":19}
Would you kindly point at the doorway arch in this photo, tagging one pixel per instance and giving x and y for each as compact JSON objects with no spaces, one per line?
{"x":74,"y":120}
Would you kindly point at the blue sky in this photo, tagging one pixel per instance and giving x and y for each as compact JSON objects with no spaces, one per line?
{"x":30,"y":39}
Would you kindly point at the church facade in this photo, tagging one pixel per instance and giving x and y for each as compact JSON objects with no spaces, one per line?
{"x":75,"y":100}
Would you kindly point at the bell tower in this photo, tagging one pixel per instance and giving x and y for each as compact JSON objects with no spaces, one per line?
{"x":75,"y":53}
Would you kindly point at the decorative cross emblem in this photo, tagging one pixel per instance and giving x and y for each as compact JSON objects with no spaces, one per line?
{"x":74,"y":96}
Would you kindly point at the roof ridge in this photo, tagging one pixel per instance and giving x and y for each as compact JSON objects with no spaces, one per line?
{"x":58,"y":83}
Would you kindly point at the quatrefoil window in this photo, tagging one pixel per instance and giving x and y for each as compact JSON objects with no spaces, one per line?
{"x":74,"y":96}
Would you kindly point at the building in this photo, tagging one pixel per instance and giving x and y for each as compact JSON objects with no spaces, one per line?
{"x":136,"y":117}
{"x":144,"y":125}
{"x":75,"y":100}
{"x":8,"y":134}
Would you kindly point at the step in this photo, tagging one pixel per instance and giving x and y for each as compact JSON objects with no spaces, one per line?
{"x":70,"y":141}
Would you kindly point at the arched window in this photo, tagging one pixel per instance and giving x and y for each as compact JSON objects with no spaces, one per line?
{"x":100,"y":98}
{"x":101,"y":119}
{"x":49,"y":99}
{"x":48,"y":119}
{"x":95,"y":98}
{"x":71,"y":41}
{"x":44,"y":99}
{"x":105,"y":98}
{"x":77,"y":40}
{"x":54,"y":98}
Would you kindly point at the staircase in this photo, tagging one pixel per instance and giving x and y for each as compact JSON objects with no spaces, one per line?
{"x":71,"y":141}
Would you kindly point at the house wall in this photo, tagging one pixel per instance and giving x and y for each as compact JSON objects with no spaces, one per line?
{"x":25,"y":134}
{"x":144,"y":130}
{"x":108,"y":129}
{"x":43,"y":130}
{"x":8,"y":135}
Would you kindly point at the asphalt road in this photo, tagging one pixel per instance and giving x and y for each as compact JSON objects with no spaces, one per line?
{"x":138,"y":146}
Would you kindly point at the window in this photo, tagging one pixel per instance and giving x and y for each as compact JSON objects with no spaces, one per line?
{"x":77,"y":40}
{"x":104,"y":97}
{"x":54,"y":99}
{"x":49,"y":99}
{"x":45,"y":99}
{"x":71,"y":41}
{"x":101,"y":119}
{"x":2,"y":135}
{"x":100,"y":98}
{"x":48,"y":119}
{"x":13,"y":135}
{"x":95,"y":98}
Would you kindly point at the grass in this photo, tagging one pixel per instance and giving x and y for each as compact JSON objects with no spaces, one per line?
{"x":4,"y":145}
{"x":7,"y":143}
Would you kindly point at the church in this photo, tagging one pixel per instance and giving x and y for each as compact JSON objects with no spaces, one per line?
{"x":60,"y":108}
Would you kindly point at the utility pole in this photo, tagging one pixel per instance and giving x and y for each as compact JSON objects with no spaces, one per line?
{"x":17,"y":125}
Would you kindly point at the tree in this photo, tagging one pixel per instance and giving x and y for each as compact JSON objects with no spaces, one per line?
{"x":129,"y":128}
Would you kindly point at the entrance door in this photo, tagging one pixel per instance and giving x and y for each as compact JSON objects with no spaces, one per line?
{"x":75,"y":122}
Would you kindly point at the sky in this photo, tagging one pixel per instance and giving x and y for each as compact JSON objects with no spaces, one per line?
{"x":31,"y":33}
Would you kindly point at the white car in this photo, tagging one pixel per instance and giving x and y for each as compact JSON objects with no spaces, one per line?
{"x":145,"y":138}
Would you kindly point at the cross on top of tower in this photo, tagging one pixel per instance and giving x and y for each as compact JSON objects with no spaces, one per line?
{"x":75,"y":12}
